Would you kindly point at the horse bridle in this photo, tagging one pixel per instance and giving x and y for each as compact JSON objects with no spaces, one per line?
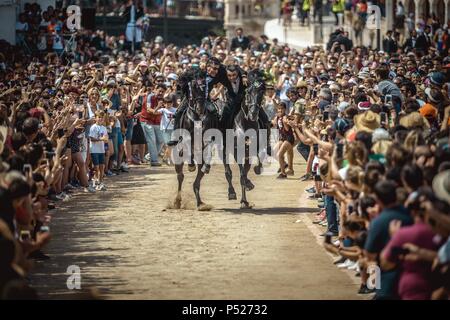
{"x":191,"y":99}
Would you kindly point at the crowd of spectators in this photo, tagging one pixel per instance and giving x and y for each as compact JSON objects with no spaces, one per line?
{"x":372,"y":127}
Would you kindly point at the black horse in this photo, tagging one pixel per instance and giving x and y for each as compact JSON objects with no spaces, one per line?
{"x":247,"y":118}
{"x":198,"y":117}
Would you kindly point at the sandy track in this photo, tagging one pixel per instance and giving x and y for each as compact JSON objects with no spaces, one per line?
{"x":129,"y":245}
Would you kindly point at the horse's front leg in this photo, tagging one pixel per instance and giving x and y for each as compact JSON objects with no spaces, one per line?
{"x":200,"y":204}
{"x":229,"y":177}
{"x":243,"y":169}
{"x":191,"y":164}
{"x":249,"y":186}
{"x":180,"y":177}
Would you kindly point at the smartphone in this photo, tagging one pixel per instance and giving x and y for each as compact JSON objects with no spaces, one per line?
{"x":60,"y":133}
{"x":396,"y":251}
{"x":383,"y":117}
{"x":80,"y":114}
{"x":25,"y":235}
{"x":316,"y":149}
{"x":340,"y":150}
{"x":27,"y":169}
{"x":325,"y":115}
{"x":388,"y":99}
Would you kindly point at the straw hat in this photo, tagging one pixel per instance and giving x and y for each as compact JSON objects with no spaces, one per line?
{"x":367,"y":121}
{"x":441,"y":185}
{"x":129,"y":80}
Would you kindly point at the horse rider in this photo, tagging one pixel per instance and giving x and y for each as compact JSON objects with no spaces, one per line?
{"x":215,"y":73}
{"x":238,"y":81}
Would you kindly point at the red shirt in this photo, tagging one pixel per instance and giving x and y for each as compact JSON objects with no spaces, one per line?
{"x":153,"y":119}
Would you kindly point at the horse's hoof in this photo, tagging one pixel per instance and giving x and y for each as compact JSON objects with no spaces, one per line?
{"x":249,"y":186}
{"x":232,"y":196}
{"x":246,"y":205}
{"x":257,"y":170}
{"x":204,"y":207}
{"x":206,"y":168}
{"x":191,"y":167}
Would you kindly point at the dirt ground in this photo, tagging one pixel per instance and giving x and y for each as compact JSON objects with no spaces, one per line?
{"x":130,"y":246}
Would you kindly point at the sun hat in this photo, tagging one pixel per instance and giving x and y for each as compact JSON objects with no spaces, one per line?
{"x":434,"y":95}
{"x":367,"y":121}
{"x":437,"y":78}
{"x":441,"y":185}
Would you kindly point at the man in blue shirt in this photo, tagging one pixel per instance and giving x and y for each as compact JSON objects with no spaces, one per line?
{"x":378,"y":235}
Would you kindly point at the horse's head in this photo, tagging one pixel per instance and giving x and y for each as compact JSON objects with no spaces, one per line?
{"x":197,"y":99}
{"x":254,"y":94}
